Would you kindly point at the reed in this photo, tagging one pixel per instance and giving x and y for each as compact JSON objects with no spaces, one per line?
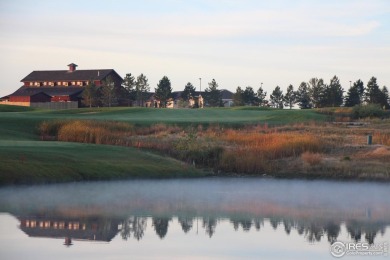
{"x":311,"y":158}
{"x":381,"y":138}
{"x":253,"y":152}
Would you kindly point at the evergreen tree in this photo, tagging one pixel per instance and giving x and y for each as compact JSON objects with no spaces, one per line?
{"x":354,"y":94}
{"x":333,"y":93}
{"x":129,"y":85}
{"x":238,"y":97}
{"x":317,"y":89}
{"x":373,"y":94}
{"x":249,"y":96}
{"x":384,"y":99}
{"x":276,"y":98}
{"x":141,"y":88}
{"x":163,"y":91}
{"x":261,"y":95}
{"x":108,"y":93}
{"x":290,"y":97}
{"x":188,"y":92}
{"x":212,"y":95}
{"x":303,"y":96}
{"x":360,"y":86}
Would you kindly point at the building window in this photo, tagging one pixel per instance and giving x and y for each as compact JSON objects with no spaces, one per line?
{"x":59,"y":83}
{"x":47,"y":224}
{"x":33,"y":223}
{"x":61,"y":225}
{"x":65,"y":83}
{"x":76,"y":225}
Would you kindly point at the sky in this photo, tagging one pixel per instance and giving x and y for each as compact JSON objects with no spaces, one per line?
{"x":236,"y":42}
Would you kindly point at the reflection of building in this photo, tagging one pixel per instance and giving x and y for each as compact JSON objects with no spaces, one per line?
{"x":93,"y":229}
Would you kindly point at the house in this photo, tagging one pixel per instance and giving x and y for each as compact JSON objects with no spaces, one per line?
{"x":50,"y":87}
{"x":176,"y":100}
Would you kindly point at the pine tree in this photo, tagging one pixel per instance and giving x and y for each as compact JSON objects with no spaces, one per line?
{"x":317,"y":89}
{"x":238,"y":97}
{"x":261,"y":95}
{"x":129,"y":85}
{"x":373,"y":93}
{"x":333,"y":93}
{"x":188,"y":92}
{"x":384,"y":100}
{"x":163,"y":91}
{"x":276,"y":98}
{"x":249,"y":96}
{"x":213,"y":95}
{"x":290,"y":97}
{"x":141,"y":88}
{"x":354,"y":94}
{"x":303,"y":96}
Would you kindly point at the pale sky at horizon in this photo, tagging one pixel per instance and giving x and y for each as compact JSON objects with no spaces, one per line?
{"x":239,"y":43}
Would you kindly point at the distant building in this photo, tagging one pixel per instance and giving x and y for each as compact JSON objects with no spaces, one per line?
{"x":46,"y":88}
{"x":198,"y":100}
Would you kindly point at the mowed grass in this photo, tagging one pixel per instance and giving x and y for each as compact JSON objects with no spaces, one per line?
{"x":23,"y":124}
{"x":24,"y":162}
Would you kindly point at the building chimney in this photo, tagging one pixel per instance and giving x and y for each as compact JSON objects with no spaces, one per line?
{"x":72,"y":67}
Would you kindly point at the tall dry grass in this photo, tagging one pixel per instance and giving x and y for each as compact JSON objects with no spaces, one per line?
{"x":381,"y":138}
{"x":87,"y":131}
{"x":253,"y":152}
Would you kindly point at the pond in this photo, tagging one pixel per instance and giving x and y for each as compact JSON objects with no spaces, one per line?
{"x":210,"y":218}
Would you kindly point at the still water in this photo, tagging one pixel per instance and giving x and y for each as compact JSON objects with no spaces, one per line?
{"x":211,"y":218}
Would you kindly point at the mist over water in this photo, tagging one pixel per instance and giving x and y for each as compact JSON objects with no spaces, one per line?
{"x":215,"y":194}
{"x":319,"y":212}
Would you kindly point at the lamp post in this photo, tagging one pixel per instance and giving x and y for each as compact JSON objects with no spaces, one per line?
{"x":261,"y":84}
{"x":350,"y":83}
{"x":200,"y":85}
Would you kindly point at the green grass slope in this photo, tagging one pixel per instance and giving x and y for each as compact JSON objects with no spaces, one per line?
{"x":44,"y":162}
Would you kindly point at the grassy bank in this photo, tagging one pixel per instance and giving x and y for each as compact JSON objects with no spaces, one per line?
{"x":45,"y":162}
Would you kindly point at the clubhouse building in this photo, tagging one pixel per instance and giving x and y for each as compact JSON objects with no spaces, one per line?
{"x":58,"y":88}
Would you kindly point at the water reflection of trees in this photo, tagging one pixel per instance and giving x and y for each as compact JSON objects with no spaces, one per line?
{"x":161,"y":226}
{"x":313,"y":231}
{"x":134,"y":227}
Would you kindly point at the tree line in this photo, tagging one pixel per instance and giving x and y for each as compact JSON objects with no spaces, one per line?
{"x":312,"y":94}
{"x":316,"y":94}
{"x":136,"y":91}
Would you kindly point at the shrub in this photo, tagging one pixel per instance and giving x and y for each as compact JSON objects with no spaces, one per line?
{"x":371,"y":110}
